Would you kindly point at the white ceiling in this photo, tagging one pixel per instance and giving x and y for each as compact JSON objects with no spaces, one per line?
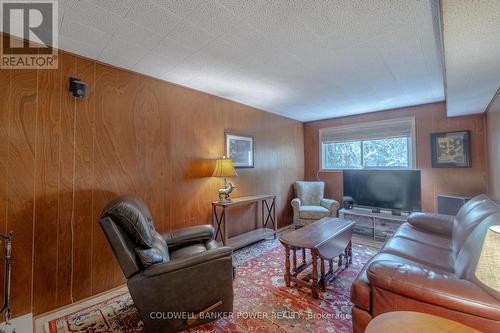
{"x":471,"y":31}
{"x":304,"y":59}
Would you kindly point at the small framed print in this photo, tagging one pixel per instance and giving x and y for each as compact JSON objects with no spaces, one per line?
{"x":451,"y":149}
{"x":240,"y":149}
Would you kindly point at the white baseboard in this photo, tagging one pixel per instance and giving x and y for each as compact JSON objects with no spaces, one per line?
{"x":23,"y":324}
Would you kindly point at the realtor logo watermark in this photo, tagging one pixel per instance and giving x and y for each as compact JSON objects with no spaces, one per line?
{"x":30,"y":34}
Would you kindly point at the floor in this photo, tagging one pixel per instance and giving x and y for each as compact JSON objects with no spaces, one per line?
{"x":240,"y":257}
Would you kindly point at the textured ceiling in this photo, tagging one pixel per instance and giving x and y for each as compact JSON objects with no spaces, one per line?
{"x":306,"y":60}
{"x":471,"y":31}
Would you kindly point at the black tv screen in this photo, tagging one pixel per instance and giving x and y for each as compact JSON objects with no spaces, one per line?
{"x":390,"y":189}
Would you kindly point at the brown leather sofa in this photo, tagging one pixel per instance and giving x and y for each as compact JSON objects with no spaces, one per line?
{"x":428,"y":266}
{"x":169,"y":276}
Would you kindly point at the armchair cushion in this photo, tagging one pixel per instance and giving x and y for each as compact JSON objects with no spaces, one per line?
{"x":188,"y":235}
{"x":310,"y":193}
{"x":189,"y":261}
{"x":313,"y":212}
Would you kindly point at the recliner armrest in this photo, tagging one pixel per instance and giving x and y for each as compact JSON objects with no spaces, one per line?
{"x":197,"y":233}
{"x":427,"y":286}
{"x":330,"y":204}
{"x":434,"y":223}
{"x":178,"y":264}
{"x":296,"y":203}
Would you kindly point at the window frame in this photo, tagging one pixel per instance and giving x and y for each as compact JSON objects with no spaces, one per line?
{"x":411,"y":144}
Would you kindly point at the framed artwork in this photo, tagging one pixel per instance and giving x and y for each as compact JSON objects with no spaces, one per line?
{"x":240,"y":149}
{"x":451,"y":149}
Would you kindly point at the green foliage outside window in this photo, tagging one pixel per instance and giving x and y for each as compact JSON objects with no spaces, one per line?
{"x":381,"y":153}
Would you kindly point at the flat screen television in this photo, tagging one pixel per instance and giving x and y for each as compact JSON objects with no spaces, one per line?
{"x":389,"y":189}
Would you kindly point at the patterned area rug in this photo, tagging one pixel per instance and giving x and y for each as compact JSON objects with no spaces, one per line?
{"x":262,"y":302}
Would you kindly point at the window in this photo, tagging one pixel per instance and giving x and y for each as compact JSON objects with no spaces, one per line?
{"x":380,"y":145}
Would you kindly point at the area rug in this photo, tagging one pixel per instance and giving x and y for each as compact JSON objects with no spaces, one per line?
{"x":262,"y":302}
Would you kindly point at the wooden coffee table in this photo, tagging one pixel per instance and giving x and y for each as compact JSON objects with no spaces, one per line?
{"x":326,"y":239}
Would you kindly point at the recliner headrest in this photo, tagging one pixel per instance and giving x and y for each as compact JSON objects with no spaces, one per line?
{"x":134,"y":217}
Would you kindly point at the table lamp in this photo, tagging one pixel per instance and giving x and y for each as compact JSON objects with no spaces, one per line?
{"x":224,"y":168}
{"x":488,"y":267}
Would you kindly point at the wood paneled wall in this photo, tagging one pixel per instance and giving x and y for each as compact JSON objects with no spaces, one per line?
{"x":62,"y":159}
{"x":428,"y":118}
{"x":493,"y":129}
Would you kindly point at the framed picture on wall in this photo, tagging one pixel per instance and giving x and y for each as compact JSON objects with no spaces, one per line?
{"x":240,"y":149}
{"x":451,"y":149}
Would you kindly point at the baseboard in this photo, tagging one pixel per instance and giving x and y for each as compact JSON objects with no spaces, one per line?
{"x":22,"y":324}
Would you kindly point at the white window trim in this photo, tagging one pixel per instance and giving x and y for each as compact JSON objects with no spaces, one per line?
{"x":354,"y":127}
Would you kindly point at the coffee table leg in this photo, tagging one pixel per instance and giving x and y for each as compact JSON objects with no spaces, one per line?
{"x":314,"y":289}
{"x":294,"y":254}
{"x":287,"y":265}
{"x":349,"y":247}
{"x":303,"y":256}
{"x":340,"y":259}
{"x":323,"y":282}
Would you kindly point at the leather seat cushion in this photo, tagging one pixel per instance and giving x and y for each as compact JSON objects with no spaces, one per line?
{"x":361,"y":289}
{"x":435,"y":257}
{"x":313,"y":212}
{"x":407,"y":231}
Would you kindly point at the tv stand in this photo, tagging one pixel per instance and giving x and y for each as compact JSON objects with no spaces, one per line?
{"x":379,"y":226}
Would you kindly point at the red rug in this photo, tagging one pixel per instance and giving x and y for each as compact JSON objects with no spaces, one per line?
{"x":262,"y":303}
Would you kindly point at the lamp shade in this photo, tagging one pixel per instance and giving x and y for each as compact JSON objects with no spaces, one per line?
{"x":224,"y":168}
{"x":488,"y":267}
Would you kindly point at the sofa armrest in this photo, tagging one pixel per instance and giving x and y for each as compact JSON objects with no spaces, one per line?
{"x":178,"y":264}
{"x":331,"y":205}
{"x":427,"y":286}
{"x":434,"y":223}
{"x":199,"y":233}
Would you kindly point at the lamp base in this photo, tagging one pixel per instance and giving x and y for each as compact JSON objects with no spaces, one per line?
{"x":228,"y":200}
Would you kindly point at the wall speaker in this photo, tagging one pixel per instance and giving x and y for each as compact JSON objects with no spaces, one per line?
{"x":77,"y":87}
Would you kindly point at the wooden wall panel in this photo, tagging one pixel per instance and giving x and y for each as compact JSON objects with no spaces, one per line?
{"x":65,"y":232}
{"x":63,"y":159}
{"x":84,"y":182}
{"x":47,"y":188}
{"x":21,"y":181}
{"x":4,"y":145}
{"x":429,"y":118}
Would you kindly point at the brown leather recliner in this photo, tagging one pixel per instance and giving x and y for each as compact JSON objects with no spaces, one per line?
{"x":428,"y":266}
{"x":170,"y":276}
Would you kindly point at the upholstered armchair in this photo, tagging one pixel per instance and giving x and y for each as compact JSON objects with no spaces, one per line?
{"x":310,"y":204}
{"x":178,"y":279}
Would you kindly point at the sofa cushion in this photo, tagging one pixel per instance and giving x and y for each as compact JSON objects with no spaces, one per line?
{"x":313,"y":212}
{"x":429,"y":255}
{"x":310,"y":193}
{"x":407,"y":231}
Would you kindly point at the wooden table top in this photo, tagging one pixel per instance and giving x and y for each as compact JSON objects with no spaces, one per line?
{"x":415,"y":322}
{"x":316,"y":234}
{"x":247,"y":199}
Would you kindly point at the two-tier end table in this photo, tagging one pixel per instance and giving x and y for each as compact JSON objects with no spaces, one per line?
{"x":267,"y":204}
